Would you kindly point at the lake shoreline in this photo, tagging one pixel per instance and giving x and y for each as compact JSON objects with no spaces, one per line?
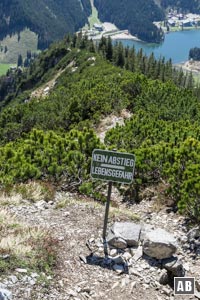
{"x":190,"y":66}
{"x":176,"y":46}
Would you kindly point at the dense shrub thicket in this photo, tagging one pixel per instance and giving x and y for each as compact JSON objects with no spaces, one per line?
{"x":60,"y":158}
{"x":51,"y":138}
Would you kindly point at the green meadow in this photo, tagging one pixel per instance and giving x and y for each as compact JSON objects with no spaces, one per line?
{"x":4,"y":68}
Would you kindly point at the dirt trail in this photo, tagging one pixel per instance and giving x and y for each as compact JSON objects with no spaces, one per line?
{"x":110,"y":122}
{"x":45,"y":89}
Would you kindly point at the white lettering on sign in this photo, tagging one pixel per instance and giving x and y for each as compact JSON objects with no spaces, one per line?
{"x":112,"y":173}
{"x":113,"y":160}
{"x":112,"y":166}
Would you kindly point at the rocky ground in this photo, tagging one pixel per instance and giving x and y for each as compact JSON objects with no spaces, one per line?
{"x":82,"y":272}
{"x":190,"y":66}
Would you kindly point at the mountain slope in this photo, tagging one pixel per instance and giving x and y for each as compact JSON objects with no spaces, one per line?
{"x":192,"y":6}
{"x":51,"y":138}
{"x":136,"y":16}
{"x":50,"y":19}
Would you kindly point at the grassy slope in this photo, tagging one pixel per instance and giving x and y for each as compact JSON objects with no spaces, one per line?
{"x":4,"y":68}
{"x":28,"y":41}
{"x":93,"y":18}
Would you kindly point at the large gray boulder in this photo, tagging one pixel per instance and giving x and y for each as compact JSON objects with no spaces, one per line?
{"x":122,"y":235}
{"x":159,"y":243}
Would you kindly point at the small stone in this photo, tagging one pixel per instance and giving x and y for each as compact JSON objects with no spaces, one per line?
{"x":83,"y":258}
{"x":186,"y":267}
{"x":5,"y":256}
{"x":147,"y":280}
{"x":118,"y":260}
{"x":118,"y":268}
{"x":125,"y":281}
{"x":133,"y":285}
{"x":152,"y":269}
{"x":155,"y":284}
{"x":61,"y":283}
{"x":197,"y":284}
{"x":197,"y":294}
{"x":20,"y":270}
{"x":139,"y":269}
{"x":115,"y":285}
{"x":146,"y":286}
{"x":194,"y":233}
{"x":101,"y":249}
{"x":132,"y":251}
{"x":31,"y":281}
{"x":126,"y":256}
{"x":164,"y":278}
{"x":34,"y":275}
{"x":13,"y":279}
{"x":72,"y":293}
{"x":174,"y":266}
{"x":113,"y":252}
{"x":86,"y":289}
{"x":5,"y":294}
{"x":25,"y":278}
{"x":166,"y":291}
{"x":138,"y":254}
{"x":144,"y":266}
{"x":132,"y":271}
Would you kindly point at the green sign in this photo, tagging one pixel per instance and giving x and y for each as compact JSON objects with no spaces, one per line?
{"x":112,"y":166}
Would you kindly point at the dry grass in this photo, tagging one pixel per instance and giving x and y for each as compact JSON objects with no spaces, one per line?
{"x":12,"y":199}
{"x":33,"y":191}
{"x":16,"y":236}
{"x":26,"y":245}
{"x":123,"y":213}
{"x":113,"y":211}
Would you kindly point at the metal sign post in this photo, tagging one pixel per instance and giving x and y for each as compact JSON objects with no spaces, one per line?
{"x":112,"y":166}
{"x":107,"y":209}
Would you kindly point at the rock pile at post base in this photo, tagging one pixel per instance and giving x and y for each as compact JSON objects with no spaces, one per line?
{"x":156,"y":243}
{"x":141,"y":240}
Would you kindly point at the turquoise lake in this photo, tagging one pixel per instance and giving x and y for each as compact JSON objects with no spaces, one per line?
{"x":175,"y":46}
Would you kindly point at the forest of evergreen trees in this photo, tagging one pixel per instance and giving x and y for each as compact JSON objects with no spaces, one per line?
{"x":194,"y":53}
{"x":136,"y":16}
{"x":183,"y":6}
{"x":50,"y":19}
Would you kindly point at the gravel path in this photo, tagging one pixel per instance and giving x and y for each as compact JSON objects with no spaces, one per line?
{"x":79,"y":277}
